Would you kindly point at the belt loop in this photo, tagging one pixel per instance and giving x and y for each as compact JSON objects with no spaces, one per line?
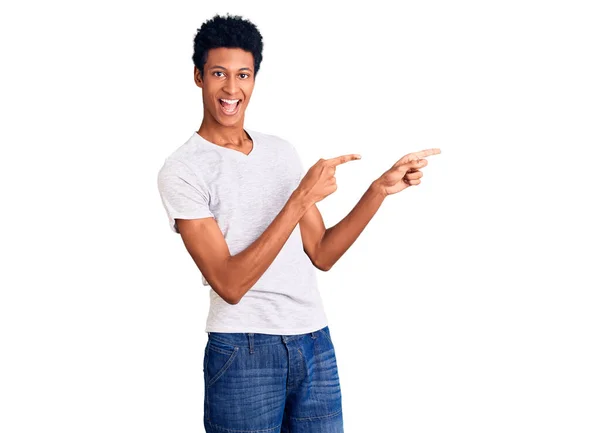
{"x":251,"y":342}
{"x":313,"y":335}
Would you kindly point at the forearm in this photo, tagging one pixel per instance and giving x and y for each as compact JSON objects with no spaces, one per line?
{"x":340,"y":237}
{"x":245,"y":268}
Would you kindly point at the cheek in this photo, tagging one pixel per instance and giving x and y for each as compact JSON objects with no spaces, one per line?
{"x":207,"y":95}
{"x":205,"y":98}
{"x":248,"y":88}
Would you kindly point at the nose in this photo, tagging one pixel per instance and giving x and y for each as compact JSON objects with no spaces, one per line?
{"x":230,"y":85}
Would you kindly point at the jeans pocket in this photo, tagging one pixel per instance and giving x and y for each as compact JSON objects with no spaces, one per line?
{"x":218,"y":357}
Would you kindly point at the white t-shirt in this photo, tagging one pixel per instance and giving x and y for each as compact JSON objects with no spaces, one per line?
{"x":244,"y":193}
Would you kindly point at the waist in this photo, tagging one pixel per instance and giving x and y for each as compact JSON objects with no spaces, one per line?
{"x":243,"y":338}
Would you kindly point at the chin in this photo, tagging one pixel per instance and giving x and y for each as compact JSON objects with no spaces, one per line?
{"x":230,"y":120}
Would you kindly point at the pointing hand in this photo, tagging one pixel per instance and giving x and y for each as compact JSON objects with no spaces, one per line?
{"x":405,"y":172}
{"x":319,"y":180}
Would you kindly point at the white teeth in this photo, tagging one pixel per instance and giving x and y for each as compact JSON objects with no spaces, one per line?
{"x":230,"y":101}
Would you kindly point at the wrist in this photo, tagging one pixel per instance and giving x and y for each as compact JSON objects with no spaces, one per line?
{"x":300,"y":200}
{"x":378,"y":188}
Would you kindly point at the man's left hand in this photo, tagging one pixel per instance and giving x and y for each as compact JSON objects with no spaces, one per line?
{"x":405,"y":172}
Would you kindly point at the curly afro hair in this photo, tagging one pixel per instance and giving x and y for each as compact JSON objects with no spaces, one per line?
{"x":230,"y":31}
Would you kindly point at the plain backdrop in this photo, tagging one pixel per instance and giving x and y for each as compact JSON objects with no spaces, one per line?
{"x":468,"y":304}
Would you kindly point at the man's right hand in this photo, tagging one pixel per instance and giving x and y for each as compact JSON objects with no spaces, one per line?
{"x":319,"y":180}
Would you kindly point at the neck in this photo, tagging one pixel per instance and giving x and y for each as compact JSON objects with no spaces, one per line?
{"x":216,"y":133}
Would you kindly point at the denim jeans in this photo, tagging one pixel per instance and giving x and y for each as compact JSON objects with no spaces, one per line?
{"x":271,"y":383}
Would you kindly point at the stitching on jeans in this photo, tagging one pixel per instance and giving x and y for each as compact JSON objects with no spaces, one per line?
{"x":304,"y":366}
{"x":229,"y":343}
{"x":205,"y":357}
{"x":317,"y":417}
{"x":207,"y":412}
{"x":224,"y":368}
{"x":217,"y":427}
{"x":221,"y":351}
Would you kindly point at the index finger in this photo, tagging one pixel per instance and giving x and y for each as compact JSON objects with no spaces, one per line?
{"x":342,"y":159}
{"x":427,"y":152}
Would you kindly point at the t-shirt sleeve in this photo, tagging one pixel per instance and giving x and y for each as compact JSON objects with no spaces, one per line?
{"x":183,"y":194}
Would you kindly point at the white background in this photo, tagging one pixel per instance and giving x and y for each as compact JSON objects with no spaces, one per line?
{"x":469,"y":303}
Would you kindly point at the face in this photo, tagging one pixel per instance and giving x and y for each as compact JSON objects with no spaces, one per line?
{"x":227,"y":85}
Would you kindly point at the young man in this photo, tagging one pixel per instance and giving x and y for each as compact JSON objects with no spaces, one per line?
{"x":247,"y":215}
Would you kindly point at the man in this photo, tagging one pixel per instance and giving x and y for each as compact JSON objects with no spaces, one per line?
{"x":247,"y":215}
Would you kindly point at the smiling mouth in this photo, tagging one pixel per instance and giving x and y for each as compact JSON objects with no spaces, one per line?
{"x":230,"y":106}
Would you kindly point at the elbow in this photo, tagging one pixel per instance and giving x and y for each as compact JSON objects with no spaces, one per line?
{"x":229,"y":294}
{"x":322,"y":266}
{"x":233,"y":298}
{"x":318,"y":262}
{"x":229,"y":287}
{"x":226,"y":291}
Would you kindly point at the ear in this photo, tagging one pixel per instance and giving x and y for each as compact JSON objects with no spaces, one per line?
{"x":197,"y":77}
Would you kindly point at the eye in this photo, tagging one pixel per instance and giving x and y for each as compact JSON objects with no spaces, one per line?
{"x":217,"y":72}
{"x":245,"y":75}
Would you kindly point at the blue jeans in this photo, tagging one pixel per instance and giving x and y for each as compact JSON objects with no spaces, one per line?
{"x":271,"y":383}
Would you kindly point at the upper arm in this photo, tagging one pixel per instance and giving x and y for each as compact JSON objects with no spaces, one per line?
{"x":312,"y":229}
{"x":183,"y":193}
{"x":186,"y":199}
{"x":204,"y":241}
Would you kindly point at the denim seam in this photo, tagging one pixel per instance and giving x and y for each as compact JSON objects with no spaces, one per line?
{"x":317,"y":417}
{"x":224,"y":368}
{"x":304,"y":366}
{"x":221,"y":351}
{"x":206,"y":385}
{"x":212,"y":337}
{"x":270,"y":429}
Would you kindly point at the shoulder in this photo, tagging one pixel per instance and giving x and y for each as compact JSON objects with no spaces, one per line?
{"x":174,"y":174}
{"x":175,"y":165}
{"x":189,"y":159}
{"x":185,"y":151}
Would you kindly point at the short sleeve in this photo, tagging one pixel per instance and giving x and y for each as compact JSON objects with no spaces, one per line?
{"x":182,"y":193}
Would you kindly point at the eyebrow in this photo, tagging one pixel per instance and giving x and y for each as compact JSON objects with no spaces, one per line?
{"x":221,"y":67}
